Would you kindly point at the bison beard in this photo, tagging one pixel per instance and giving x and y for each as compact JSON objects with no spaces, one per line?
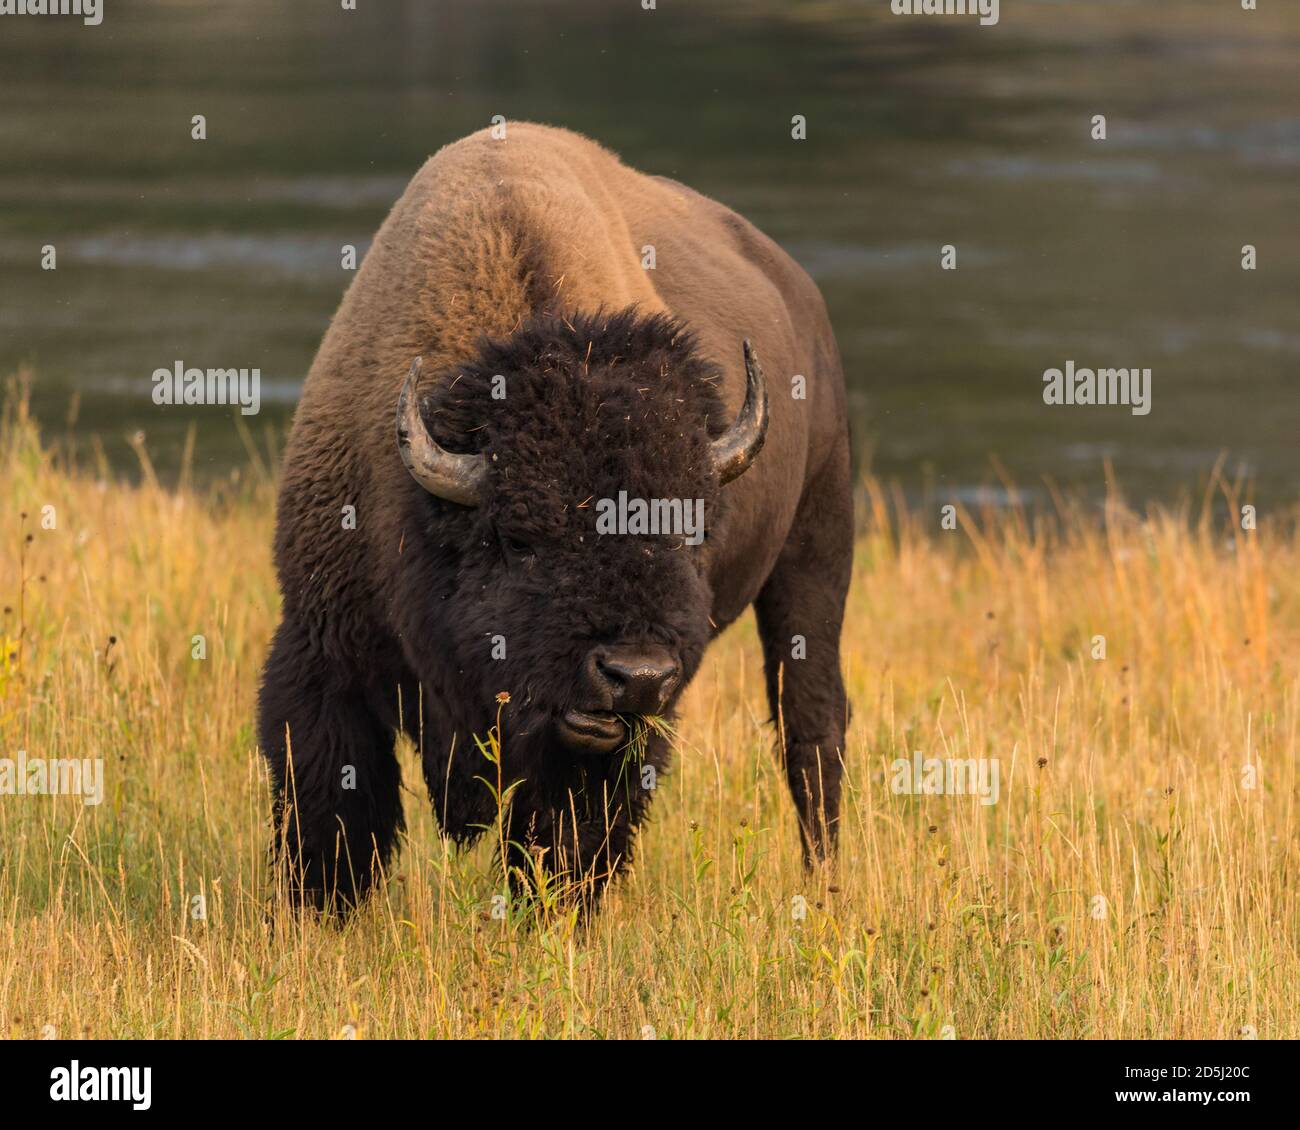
{"x":488,"y":534}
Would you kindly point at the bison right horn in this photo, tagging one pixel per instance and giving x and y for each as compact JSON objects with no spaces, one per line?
{"x":457,"y":478}
{"x":739,"y":445}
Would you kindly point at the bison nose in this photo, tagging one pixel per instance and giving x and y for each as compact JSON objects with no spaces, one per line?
{"x":639,"y":680}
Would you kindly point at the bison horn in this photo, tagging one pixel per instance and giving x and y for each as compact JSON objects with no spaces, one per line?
{"x":457,"y":478}
{"x":738,"y":447}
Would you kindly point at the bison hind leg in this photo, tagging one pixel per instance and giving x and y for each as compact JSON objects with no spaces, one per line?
{"x":800,"y":612}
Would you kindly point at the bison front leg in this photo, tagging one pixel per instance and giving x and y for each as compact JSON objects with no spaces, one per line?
{"x":800,"y":612}
{"x":337,"y":803}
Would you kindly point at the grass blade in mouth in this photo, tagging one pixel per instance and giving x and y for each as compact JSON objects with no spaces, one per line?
{"x":639,"y":729}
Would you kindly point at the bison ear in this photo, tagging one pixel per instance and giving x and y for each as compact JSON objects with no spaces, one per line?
{"x":457,"y":478}
{"x":739,"y":445}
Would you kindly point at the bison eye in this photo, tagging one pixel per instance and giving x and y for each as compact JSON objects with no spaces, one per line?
{"x":516,"y":547}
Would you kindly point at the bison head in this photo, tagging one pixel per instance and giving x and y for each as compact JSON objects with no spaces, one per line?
{"x":571,"y":477}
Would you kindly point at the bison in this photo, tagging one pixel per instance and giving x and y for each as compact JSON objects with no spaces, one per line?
{"x":584,"y":330}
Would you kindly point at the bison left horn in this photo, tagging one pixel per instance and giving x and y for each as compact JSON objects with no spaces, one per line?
{"x":739,"y":445}
{"x":457,"y":478}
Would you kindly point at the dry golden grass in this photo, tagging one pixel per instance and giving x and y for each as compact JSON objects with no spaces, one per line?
{"x":1123,"y":778}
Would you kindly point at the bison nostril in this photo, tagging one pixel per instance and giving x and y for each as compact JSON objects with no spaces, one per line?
{"x":640,"y":681}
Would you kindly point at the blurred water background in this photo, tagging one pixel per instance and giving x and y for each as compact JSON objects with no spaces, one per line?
{"x":922,"y":131}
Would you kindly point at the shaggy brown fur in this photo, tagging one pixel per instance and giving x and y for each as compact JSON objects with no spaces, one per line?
{"x":522,"y":257}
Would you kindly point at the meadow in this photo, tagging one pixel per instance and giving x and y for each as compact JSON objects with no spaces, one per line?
{"x":1137,"y":876}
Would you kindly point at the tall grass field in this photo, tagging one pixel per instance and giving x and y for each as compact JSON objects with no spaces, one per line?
{"x":1136,"y":677}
